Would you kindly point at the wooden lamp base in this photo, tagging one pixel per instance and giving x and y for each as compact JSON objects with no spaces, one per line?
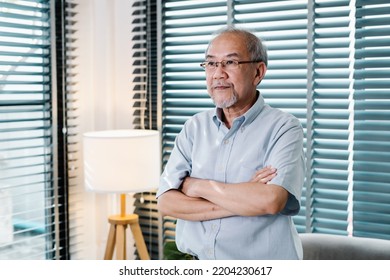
{"x":117,"y":235}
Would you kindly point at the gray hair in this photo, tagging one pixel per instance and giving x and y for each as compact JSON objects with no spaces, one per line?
{"x":256,"y":48}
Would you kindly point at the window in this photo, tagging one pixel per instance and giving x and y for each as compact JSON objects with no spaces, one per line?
{"x":186,"y":29}
{"x":328,"y":66}
{"x":34,"y":133}
{"x":144,"y":35}
{"x":285,"y":83}
{"x":371,"y":131}
{"x":329,"y":101}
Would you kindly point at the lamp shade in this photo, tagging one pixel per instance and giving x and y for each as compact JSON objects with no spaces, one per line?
{"x":121,"y":161}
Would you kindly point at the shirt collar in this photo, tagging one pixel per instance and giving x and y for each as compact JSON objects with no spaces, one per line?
{"x":248,"y":117}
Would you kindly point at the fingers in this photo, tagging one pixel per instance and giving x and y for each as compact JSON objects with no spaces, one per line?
{"x":264,"y":175}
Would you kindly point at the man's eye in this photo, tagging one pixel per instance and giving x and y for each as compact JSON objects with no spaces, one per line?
{"x":229,"y":62}
{"x":211,"y":63}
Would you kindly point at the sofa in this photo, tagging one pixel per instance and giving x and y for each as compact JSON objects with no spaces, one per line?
{"x":318,"y":246}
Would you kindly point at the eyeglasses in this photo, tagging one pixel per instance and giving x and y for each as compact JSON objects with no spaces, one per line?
{"x":226,"y":64}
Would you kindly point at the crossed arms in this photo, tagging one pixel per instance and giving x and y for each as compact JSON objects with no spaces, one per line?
{"x":201,"y":199}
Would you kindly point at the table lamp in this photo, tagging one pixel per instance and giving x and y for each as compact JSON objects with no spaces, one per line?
{"x":122,"y":161}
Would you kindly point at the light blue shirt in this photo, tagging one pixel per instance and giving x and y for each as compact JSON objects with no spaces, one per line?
{"x":207,"y":149}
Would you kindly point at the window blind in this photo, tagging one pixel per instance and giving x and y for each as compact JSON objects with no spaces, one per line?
{"x":186,"y":29}
{"x":144,"y":40}
{"x":144,"y":60}
{"x":25,"y":131}
{"x":33,"y":198}
{"x":330,"y":114}
{"x":184,"y":87}
{"x":371,"y":156}
{"x":285,"y":83}
{"x":71,"y":231}
{"x":328,"y":66}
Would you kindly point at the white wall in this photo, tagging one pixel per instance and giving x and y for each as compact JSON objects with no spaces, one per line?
{"x":104,"y":91}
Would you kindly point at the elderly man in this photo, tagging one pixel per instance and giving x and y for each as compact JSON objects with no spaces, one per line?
{"x":234,"y":178}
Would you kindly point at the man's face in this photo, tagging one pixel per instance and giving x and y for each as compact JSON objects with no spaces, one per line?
{"x":230,"y":88}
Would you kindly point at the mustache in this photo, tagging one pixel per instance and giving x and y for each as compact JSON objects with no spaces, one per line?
{"x":219,"y":84}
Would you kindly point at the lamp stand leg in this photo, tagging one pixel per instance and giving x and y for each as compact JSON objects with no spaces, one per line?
{"x":117,"y":237}
{"x":139,"y":240}
{"x":110,"y":243}
{"x":120,"y":242}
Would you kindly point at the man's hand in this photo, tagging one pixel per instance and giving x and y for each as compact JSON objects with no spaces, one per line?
{"x":190,"y":184}
{"x":264,"y":175}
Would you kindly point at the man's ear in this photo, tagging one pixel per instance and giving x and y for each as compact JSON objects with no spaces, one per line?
{"x":261,"y":69}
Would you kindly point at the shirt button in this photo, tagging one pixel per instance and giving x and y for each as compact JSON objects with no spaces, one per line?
{"x":226,"y":142}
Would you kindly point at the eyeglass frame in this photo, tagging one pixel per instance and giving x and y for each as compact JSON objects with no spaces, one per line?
{"x":223,"y":63}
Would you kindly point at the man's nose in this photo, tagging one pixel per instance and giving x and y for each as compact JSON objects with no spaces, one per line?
{"x":219,"y":71}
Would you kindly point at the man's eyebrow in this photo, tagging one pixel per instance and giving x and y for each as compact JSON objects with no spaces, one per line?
{"x":230,"y":55}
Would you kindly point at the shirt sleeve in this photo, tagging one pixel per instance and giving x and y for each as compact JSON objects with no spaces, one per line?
{"x":286,"y":154}
{"x":179,"y":164}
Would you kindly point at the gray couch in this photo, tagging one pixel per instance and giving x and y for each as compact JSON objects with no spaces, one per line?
{"x":334,"y":247}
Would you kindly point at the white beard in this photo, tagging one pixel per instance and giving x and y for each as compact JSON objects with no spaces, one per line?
{"x":225,"y":103}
